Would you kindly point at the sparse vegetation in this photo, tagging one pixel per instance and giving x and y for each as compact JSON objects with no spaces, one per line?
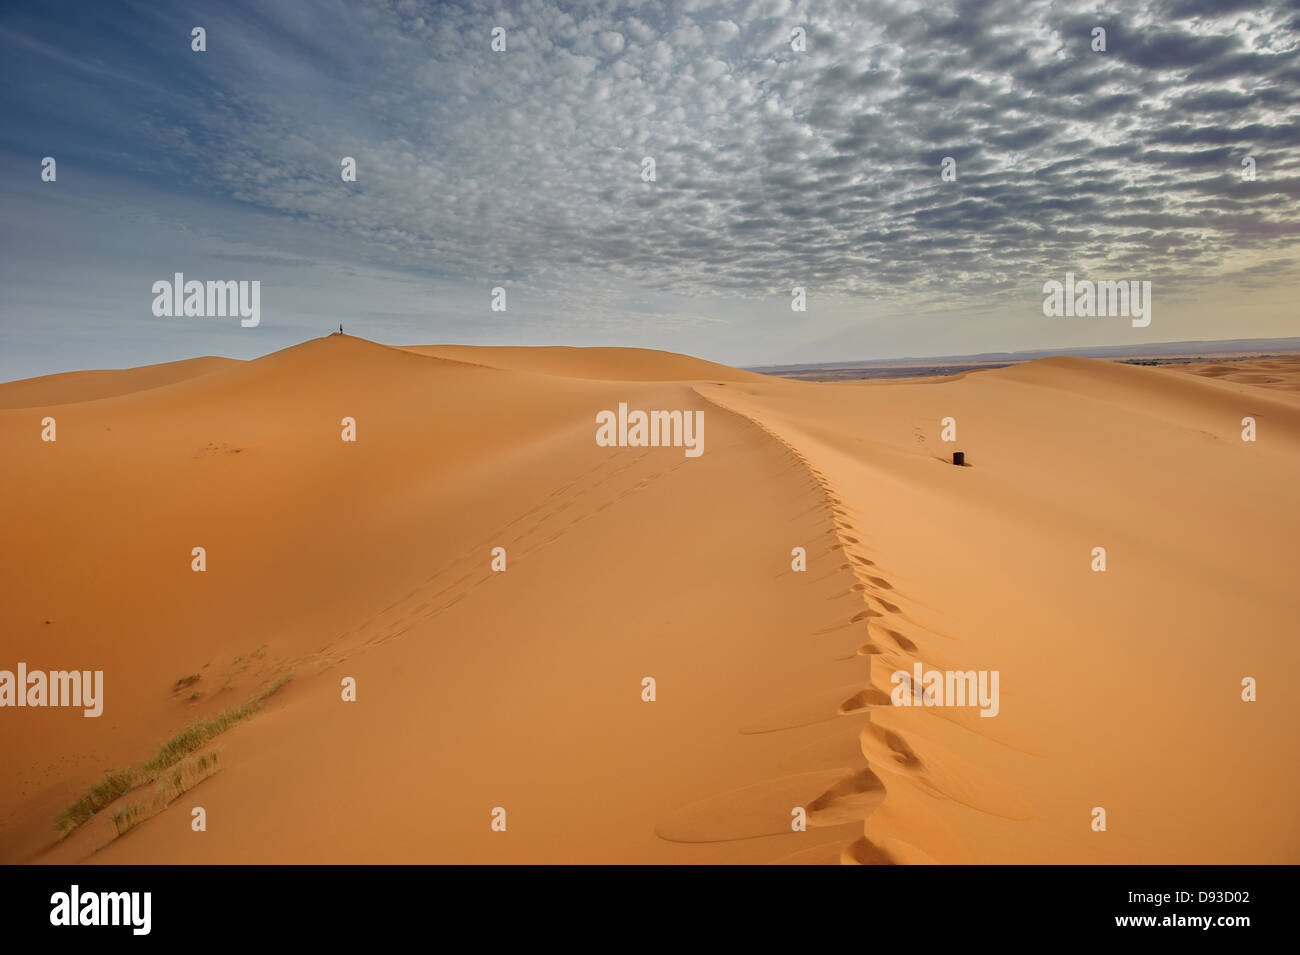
{"x":117,"y":783}
{"x":200,"y":731}
{"x":186,"y":775}
{"x":113,"y":785}
{"x":128,"y":816}
{"x":185,"y":681}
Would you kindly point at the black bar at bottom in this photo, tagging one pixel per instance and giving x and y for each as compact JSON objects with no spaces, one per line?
{"x":976,"y":905}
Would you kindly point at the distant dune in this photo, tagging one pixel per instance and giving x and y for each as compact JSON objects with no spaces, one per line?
{"x":522,"y":689}
{"x":603,"y":364}
{"x":1159,"y":353}
{"x":76,"y":386}
{"x":1280,"y":373}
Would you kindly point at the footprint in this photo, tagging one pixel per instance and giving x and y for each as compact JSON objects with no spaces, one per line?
{"x":902,"y":641}
{"x":820,"y":707}
{"x":852,"y":799}
{"x":864,"y":699}
{"x":863,"y":851}
{"x":763,"y":809}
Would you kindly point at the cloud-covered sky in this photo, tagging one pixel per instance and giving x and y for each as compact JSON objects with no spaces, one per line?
{"x":775,"y":167}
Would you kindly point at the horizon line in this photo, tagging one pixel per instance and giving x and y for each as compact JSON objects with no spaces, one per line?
{"x":1286,"y":344}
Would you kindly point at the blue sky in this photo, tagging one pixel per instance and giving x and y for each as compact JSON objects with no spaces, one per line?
{"x":775,"y":167}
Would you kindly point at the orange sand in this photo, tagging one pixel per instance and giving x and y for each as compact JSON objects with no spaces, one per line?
{"x":522,"y":689}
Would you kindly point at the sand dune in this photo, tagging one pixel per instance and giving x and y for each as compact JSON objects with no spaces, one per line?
{"x":522,"y":689}
{"x":76,"y":386}
{"x":606,"y":364}
{"x":1280,"y":373}
{"x":1122,"y":689}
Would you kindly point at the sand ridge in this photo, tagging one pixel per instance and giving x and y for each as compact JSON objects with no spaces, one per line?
{"x":76,"y":386}
{"x":1279,"y":373}
{"x":982,"y":566}
{"x":522,"y":689}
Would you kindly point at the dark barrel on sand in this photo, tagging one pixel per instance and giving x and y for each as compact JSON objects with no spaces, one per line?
{"x":959,"y":458}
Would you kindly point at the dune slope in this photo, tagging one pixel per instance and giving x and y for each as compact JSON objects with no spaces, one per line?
{"x":1121,"y":689}
{"x":522,"y":690}
{"x":76,"y":386}
{"x":605,"y":364}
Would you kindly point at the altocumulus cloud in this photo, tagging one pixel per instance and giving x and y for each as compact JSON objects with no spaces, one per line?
{"x":774,"y":167}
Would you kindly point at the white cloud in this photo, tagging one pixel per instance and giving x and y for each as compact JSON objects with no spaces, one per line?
{"x":720,"y":31}
{"x":479,"y":167}
{"x":610,"y":42}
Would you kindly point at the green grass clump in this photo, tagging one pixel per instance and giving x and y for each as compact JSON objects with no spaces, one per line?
{"x":124,"y":819}
{"x":200,"y":731}
{"x":113,"y":785}
{"x":116,"y":784}
{"x":187,"y":774}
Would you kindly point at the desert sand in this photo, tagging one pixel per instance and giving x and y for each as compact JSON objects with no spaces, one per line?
{"x":1278,"y":372}
{"x":522,"y":689}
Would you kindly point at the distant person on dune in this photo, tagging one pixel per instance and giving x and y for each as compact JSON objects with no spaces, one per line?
{"x":340,"y":328}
